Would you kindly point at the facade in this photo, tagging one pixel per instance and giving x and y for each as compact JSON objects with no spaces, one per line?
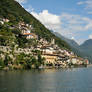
{"x":6,"y":20}
{"x":26,"y":31}
{"x":2,"y":22}
{"x":50,"y":59}
{"x":48,"y":51}
{"x":30,"y":35}
{"x":49,"y":54}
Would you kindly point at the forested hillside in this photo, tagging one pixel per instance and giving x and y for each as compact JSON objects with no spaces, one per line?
{"x":15,"y":12}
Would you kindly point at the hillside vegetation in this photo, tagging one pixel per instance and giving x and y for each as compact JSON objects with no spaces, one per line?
{"x":25,"y":43}
{"x":15,"y":12}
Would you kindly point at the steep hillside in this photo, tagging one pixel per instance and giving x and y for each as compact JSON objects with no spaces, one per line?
{"x":25,"y":43}
{"x":15,"y":12}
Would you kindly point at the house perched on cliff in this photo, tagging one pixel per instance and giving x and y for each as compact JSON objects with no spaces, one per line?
{"x":26,"y":31}
{"x":30,"y":35}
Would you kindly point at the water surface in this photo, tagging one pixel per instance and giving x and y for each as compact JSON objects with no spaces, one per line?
{"x":70,"y":80}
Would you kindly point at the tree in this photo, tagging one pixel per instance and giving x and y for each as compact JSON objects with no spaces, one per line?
{"x":1,"y":63}
{"x":7,"y":60}
{"x":40,"y":61}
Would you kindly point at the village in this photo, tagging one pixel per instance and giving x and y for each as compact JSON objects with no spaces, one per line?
{"x":53,"y":54}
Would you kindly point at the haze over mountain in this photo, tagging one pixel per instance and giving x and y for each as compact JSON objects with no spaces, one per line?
{"x":69,"y":41}
{"x":84,"y":50}
{"x":87,"y":45}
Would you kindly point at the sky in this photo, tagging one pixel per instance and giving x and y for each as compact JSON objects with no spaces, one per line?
{"x":70,"y":18}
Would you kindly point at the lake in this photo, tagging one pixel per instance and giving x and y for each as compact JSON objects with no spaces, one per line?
{"x":50,"y":80}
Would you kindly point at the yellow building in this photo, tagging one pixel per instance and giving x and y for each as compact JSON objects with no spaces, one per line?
{"x":50,"y":58}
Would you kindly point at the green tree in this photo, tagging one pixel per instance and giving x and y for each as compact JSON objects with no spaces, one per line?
{"x":1,"y":63}
{"x":7,"y":60}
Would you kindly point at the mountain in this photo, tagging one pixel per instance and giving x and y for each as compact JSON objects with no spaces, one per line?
{"x":74,"y":46}
{"x":87,"y":45}
{"x":13,"y":11}
{"x":26,"y":43}
{"x":84,"y":50}
{"x":72,"y":43}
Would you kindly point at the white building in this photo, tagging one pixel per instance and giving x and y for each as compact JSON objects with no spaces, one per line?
{"x":2,"y":22}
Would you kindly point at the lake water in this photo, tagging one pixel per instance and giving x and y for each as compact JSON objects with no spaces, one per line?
{"x":70,"y":80}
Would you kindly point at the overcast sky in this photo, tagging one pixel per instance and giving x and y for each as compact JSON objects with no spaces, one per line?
{"x":70,"y":18}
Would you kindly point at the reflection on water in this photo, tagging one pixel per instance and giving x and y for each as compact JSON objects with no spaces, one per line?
{"x":51,"y":80}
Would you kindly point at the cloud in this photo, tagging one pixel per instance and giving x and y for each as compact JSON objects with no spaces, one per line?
{"x":29,"y":8}
{"x":69,"y":25}
{"x":81,"y":3}
{"x":87,"y":5}
{"x":74,"y":24}
{"x":21,"y":1}
{"x":51,"y":21}
{"x":90,"y":36}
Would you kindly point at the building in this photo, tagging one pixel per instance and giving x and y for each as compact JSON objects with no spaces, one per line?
{"x":86,"y":61}
{"x":50,"y":58}
{"x":49,"y":54}
{"x":6,"y":20}
{"x":2,"y":22}
{"x":47,"y":50}
{"x":53,"y":41}
{"x":30,"y":35}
